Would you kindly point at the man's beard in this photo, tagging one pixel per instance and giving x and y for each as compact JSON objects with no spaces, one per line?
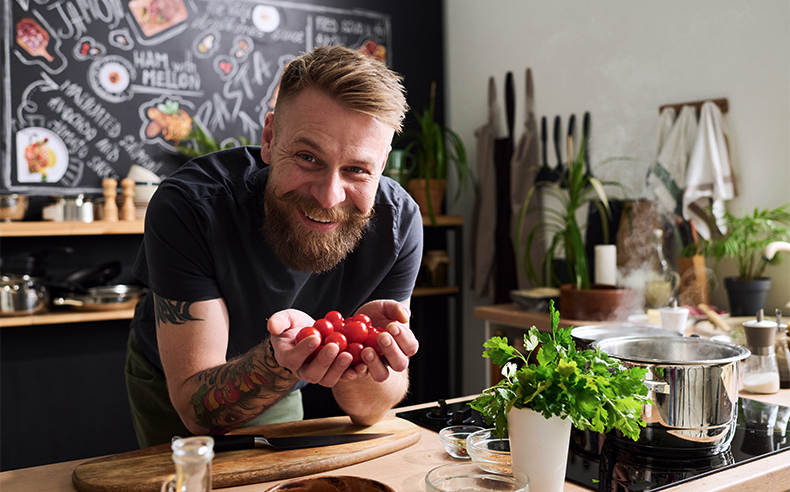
{"x":303,"y":249}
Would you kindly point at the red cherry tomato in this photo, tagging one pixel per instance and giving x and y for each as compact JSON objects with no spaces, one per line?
{"x":372,"y":341}
{"x":338,"y":338}
{"x":355,"y":349}
{"x":306,"y":332}
{"x":324,"y":327}
{"x":362,"y":318}
{"x":336,"y":319}
{"x":355,"y":331}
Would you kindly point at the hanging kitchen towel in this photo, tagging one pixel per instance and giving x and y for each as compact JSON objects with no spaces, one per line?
{"x":709,"y":179}
{"x":666,"y":120}
{"x":505,"y":271}
{"x":668,"y":174}
{"x":524,"y":168}
{"x":484,"y":212}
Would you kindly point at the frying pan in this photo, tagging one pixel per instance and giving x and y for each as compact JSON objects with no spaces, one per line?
{"x":104,"y":298}
{"x":80,"y":281}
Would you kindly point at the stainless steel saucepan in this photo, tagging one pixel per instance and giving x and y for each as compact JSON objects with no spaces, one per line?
{"x":694,"y":384}
{"x":104,"y":298}
{"x":22,"y":295}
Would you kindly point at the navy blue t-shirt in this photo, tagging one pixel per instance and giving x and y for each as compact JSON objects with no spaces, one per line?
{"x":203,"y":241}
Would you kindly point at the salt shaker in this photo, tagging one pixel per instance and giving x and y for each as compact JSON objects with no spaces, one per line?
{"x":760,"y":370}
{"x":192,"y":456}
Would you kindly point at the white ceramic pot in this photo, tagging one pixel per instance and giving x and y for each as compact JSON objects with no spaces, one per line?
{"x":539,"y":449}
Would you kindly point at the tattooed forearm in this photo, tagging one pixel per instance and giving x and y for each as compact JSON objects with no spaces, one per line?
{"x":235,"y":393}
{"x":173,"y":312}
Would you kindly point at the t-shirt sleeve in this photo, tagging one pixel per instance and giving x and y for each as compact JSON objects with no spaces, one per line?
{"x":175,"y":261}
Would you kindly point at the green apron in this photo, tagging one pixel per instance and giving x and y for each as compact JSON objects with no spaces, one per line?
{"x":155,"y":419}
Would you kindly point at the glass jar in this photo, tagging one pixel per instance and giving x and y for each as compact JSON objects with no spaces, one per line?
{"x":782,"y":352}
{"x":192,"y":456}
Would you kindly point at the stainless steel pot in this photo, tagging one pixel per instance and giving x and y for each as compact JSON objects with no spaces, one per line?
{"x":104,"y":298}
{"x":22,"y":295}
{"x":694,"y":384}
{"x":586,"y":335}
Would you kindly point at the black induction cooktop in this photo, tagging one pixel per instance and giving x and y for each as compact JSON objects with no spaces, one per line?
{"x":597,"y":462}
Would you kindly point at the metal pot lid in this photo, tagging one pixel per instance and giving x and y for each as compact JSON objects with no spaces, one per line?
{"x":593,"y":333}
{"x":672,"y":350}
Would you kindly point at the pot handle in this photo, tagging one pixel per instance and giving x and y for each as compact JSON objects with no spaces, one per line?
{"x":657,"y":386}
{"x":62,"y":301}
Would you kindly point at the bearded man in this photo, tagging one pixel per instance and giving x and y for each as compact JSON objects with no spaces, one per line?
{"x":246,"y":246}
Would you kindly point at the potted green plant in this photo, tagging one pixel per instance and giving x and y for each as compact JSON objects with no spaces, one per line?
{"x":198,"y":143}
{"x":744,"y":242}
{"x":577,"y":188}
{"x":434,"y":148}
{"x":539,"y":401}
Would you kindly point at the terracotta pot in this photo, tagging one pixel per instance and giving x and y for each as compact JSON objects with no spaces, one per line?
{"x":599,"y":303}
{"x":418,"y":191}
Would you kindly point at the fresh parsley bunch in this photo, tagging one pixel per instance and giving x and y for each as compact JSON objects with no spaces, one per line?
{"x":592,"y":389}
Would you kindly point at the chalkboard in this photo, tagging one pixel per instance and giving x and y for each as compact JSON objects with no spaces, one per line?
{"x":95,"y":86}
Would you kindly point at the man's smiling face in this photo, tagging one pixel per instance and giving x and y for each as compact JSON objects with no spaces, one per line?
{"x":326,"y":162}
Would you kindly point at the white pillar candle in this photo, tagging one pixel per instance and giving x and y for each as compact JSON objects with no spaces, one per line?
{"x":606,"y":264}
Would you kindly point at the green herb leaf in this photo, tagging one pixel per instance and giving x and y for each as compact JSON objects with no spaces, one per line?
{"x":591,"y":388}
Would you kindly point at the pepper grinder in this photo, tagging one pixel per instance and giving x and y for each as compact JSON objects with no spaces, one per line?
{"x":110,"y":186}
{"x":128,"y":211}
{"x":760,"y":370}
{"x":782,"y":352}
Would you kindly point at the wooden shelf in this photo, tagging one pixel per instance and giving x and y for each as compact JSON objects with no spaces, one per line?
{"x":443,"y":220}
{"x":48,"y":228}
{"x":66,"y":317}
{"x":433,"y":291}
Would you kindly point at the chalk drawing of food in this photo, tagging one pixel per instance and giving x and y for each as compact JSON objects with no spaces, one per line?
{"x":168,"y":120}
{"x":40,"y":158}
{"x":154,"y":16}
{"x":374,"y":50}
{"x":33,"y":38}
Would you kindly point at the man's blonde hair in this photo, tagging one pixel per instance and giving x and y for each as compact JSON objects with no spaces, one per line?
{"x":352,"y":79}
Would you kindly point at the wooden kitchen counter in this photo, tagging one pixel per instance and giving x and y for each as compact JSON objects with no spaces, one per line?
{"x":405,"y":470}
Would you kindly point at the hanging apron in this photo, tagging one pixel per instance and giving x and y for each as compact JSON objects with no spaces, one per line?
{"x":484,"y":212}
{"x":505,"y":273}
{"x":524,"y":168}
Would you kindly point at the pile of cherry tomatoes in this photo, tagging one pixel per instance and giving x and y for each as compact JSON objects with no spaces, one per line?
{"x":351,"y":335}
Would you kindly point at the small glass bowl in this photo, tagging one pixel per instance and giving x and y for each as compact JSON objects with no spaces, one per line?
{"x":490,"y":452}
{"x":454,"y":439}
{"x":469,"y":476}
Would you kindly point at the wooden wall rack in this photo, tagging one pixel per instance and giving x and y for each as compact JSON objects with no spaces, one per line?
{"x":722,"y":103}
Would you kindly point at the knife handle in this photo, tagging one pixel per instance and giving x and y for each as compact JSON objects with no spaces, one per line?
{"x":233,"y":443}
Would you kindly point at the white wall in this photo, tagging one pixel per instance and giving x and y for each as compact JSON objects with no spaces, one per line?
{"x":621,"y":60}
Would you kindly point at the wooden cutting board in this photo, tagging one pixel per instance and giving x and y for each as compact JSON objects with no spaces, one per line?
{"x":144,"y":470}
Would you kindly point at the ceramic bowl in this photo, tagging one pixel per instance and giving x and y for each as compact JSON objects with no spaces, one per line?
{"x":454,"y":439}
{"x":490,"y":452}
{"x":469,"y":476}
